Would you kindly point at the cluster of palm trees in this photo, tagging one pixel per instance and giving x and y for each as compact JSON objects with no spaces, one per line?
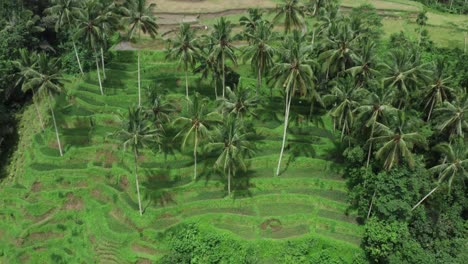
{"x":376,"y":103}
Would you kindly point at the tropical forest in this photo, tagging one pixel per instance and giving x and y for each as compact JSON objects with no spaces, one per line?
{"x":234,"y":131}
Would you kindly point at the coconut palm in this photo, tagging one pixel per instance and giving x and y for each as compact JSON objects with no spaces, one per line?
{"x":89,"y":30}
{"x":234,"y":146}
{"x":250,"y":22}
{"x":294,"y":74}
{"x":346,"y":97}
{"x":421,"y":20}
{"x":438,"y":90}
{"x":222,"y":47}
{"x":66,"y":11}
{"x":374,"y":111}
{"x":261,"y":51}
{"x":454,"y":164}
{"x":196,"y":123}
{"x":451,"y":117}
{"x":137,"y":133}
{"x":110,"y":23}
{"x":208,"y":65}
{"x":404,"y":72}
{"x":184,"y":50}
{"x":238,"y":103}
{"x":47,"y":79}
{"x":25,"y":65}
{"x":292,"y":14}
{"x":397,"y":145}
{"x":159,"y":109}
{"x":366,"y":66}
{"x":140,"y":18}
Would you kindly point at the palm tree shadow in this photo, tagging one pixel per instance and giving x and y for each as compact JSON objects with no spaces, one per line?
{"x":158,"y":187}
{"x":241,"y":184}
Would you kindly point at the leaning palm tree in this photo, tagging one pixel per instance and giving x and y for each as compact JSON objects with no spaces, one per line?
{"x":292,"y":15}
{"x":47,"y":79}
{"x":25,"y":65}
{"x":294,"y":74}
{"x":234,"y":146}
{"x":196,"y":123}
{"x":454,"y":164}
{"x":438,"y":90}
{"x":66,"y":11}
{"x":451,"y":117}
{"x":222,"y":48}
{"x":261,"y":51}
{"x":89,"y":30}
{"x":140,"y":18}
{"x":136,"y":133}
{"x":397,"y":144}
{"x":184,"y":50}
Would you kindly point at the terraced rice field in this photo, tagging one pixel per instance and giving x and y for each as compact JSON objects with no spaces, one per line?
{"x":81,"y":208}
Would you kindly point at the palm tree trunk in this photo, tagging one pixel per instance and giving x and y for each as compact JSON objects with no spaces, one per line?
{"x":186,"y":82}
{"x":286,"y":121}
{"x":370,"y":146}
{"x":371,"y":203}
{"x":216,"y":87}
{"x":259,"y":79}
{"x":425,"y":197}
{"x":139,"y":81}
{"x":195,"y":155}
{"x":103,"y":67}
{"x":430,"y":111}
{"x":224,"y":75}
{"x":137,"y":183}
{"x":77,"y":57}
{"x":229,"y":181}
{"x":55,"y":125}
{"x":98,"y":73}
{"x":37,"y":110}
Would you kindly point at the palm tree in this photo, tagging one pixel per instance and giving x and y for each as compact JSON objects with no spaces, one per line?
{"x":294,"y":74}
{"x":140,"y":18}
{"x":47,"y":80}
{"x":25,"y":65}
{"x":234,"y":146}
{"x":397,"y":144}
{"x":89,"y":30}
{"x":136,"y":134}
{"x":345,"y":96}
{"x":66,"y":11}
{"x":292,"y":14}
{"x":222,"y":46}
{"x":238,"y":103}
{"x":404,"y":73}
{"x":250,"y":23}
{"x":261,"y":51}
{"x":196,"y":123}
{"x":207,"y":65}
{"x":438,"y":91}
{"x":421,"y":20}
{"x":455,"y":164}
{"x":159,"y":109}
{"x":374,"y":111}
{"x":185,"y":50}
{"x":452,"y":117}
{"x":110,"y":22}
{"x":366,"y":67}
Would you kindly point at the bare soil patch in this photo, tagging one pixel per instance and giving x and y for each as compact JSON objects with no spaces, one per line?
{"x":73,"y":202}
{"x":36,"y":187}
{"x":273,"y":224}
{"x":107,"y":158}
{"x":123,"y":183}
{"x":144,"y":249}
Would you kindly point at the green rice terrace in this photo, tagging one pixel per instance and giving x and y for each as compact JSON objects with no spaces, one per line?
{"x":82,"y":207}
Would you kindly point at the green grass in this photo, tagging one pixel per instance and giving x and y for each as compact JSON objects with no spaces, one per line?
{"x":82,"y":207}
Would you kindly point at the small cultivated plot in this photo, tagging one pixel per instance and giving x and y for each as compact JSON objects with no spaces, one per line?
{"x":82,"y":207}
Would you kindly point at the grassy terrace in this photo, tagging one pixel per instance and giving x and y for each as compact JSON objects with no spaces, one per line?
{"x":81,"y":208}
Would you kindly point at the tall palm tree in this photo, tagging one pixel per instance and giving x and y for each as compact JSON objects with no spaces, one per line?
{"x":140,"y":18}
{"x":89,"y":30}
{"x":261,"y":51}
{"x":184,"y":49}
{"x":366,"y":65}
{"x":250,"y":22}
{"x":451,"y":117}
{"x":196,"y":122}
{"x":136,"y":134}
{"x":208,"y":65}
{"x":454,"y":164}
{"x":159,"y":109}
{"x":438,"y":90}
{"x":110,"y":22}
{"x":234,"y":146}
{"x":374,"y":111}
{"x":47,"y":79}
{"x":223,"y":48}
{"x":294,"y":74}
{"x":397,"y":144}
{"x":25,"y":65}
{"x":66,"y":11}
{"x":404,"y":72}
{"x":292,"y":14}
{"x":238,"y":103}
